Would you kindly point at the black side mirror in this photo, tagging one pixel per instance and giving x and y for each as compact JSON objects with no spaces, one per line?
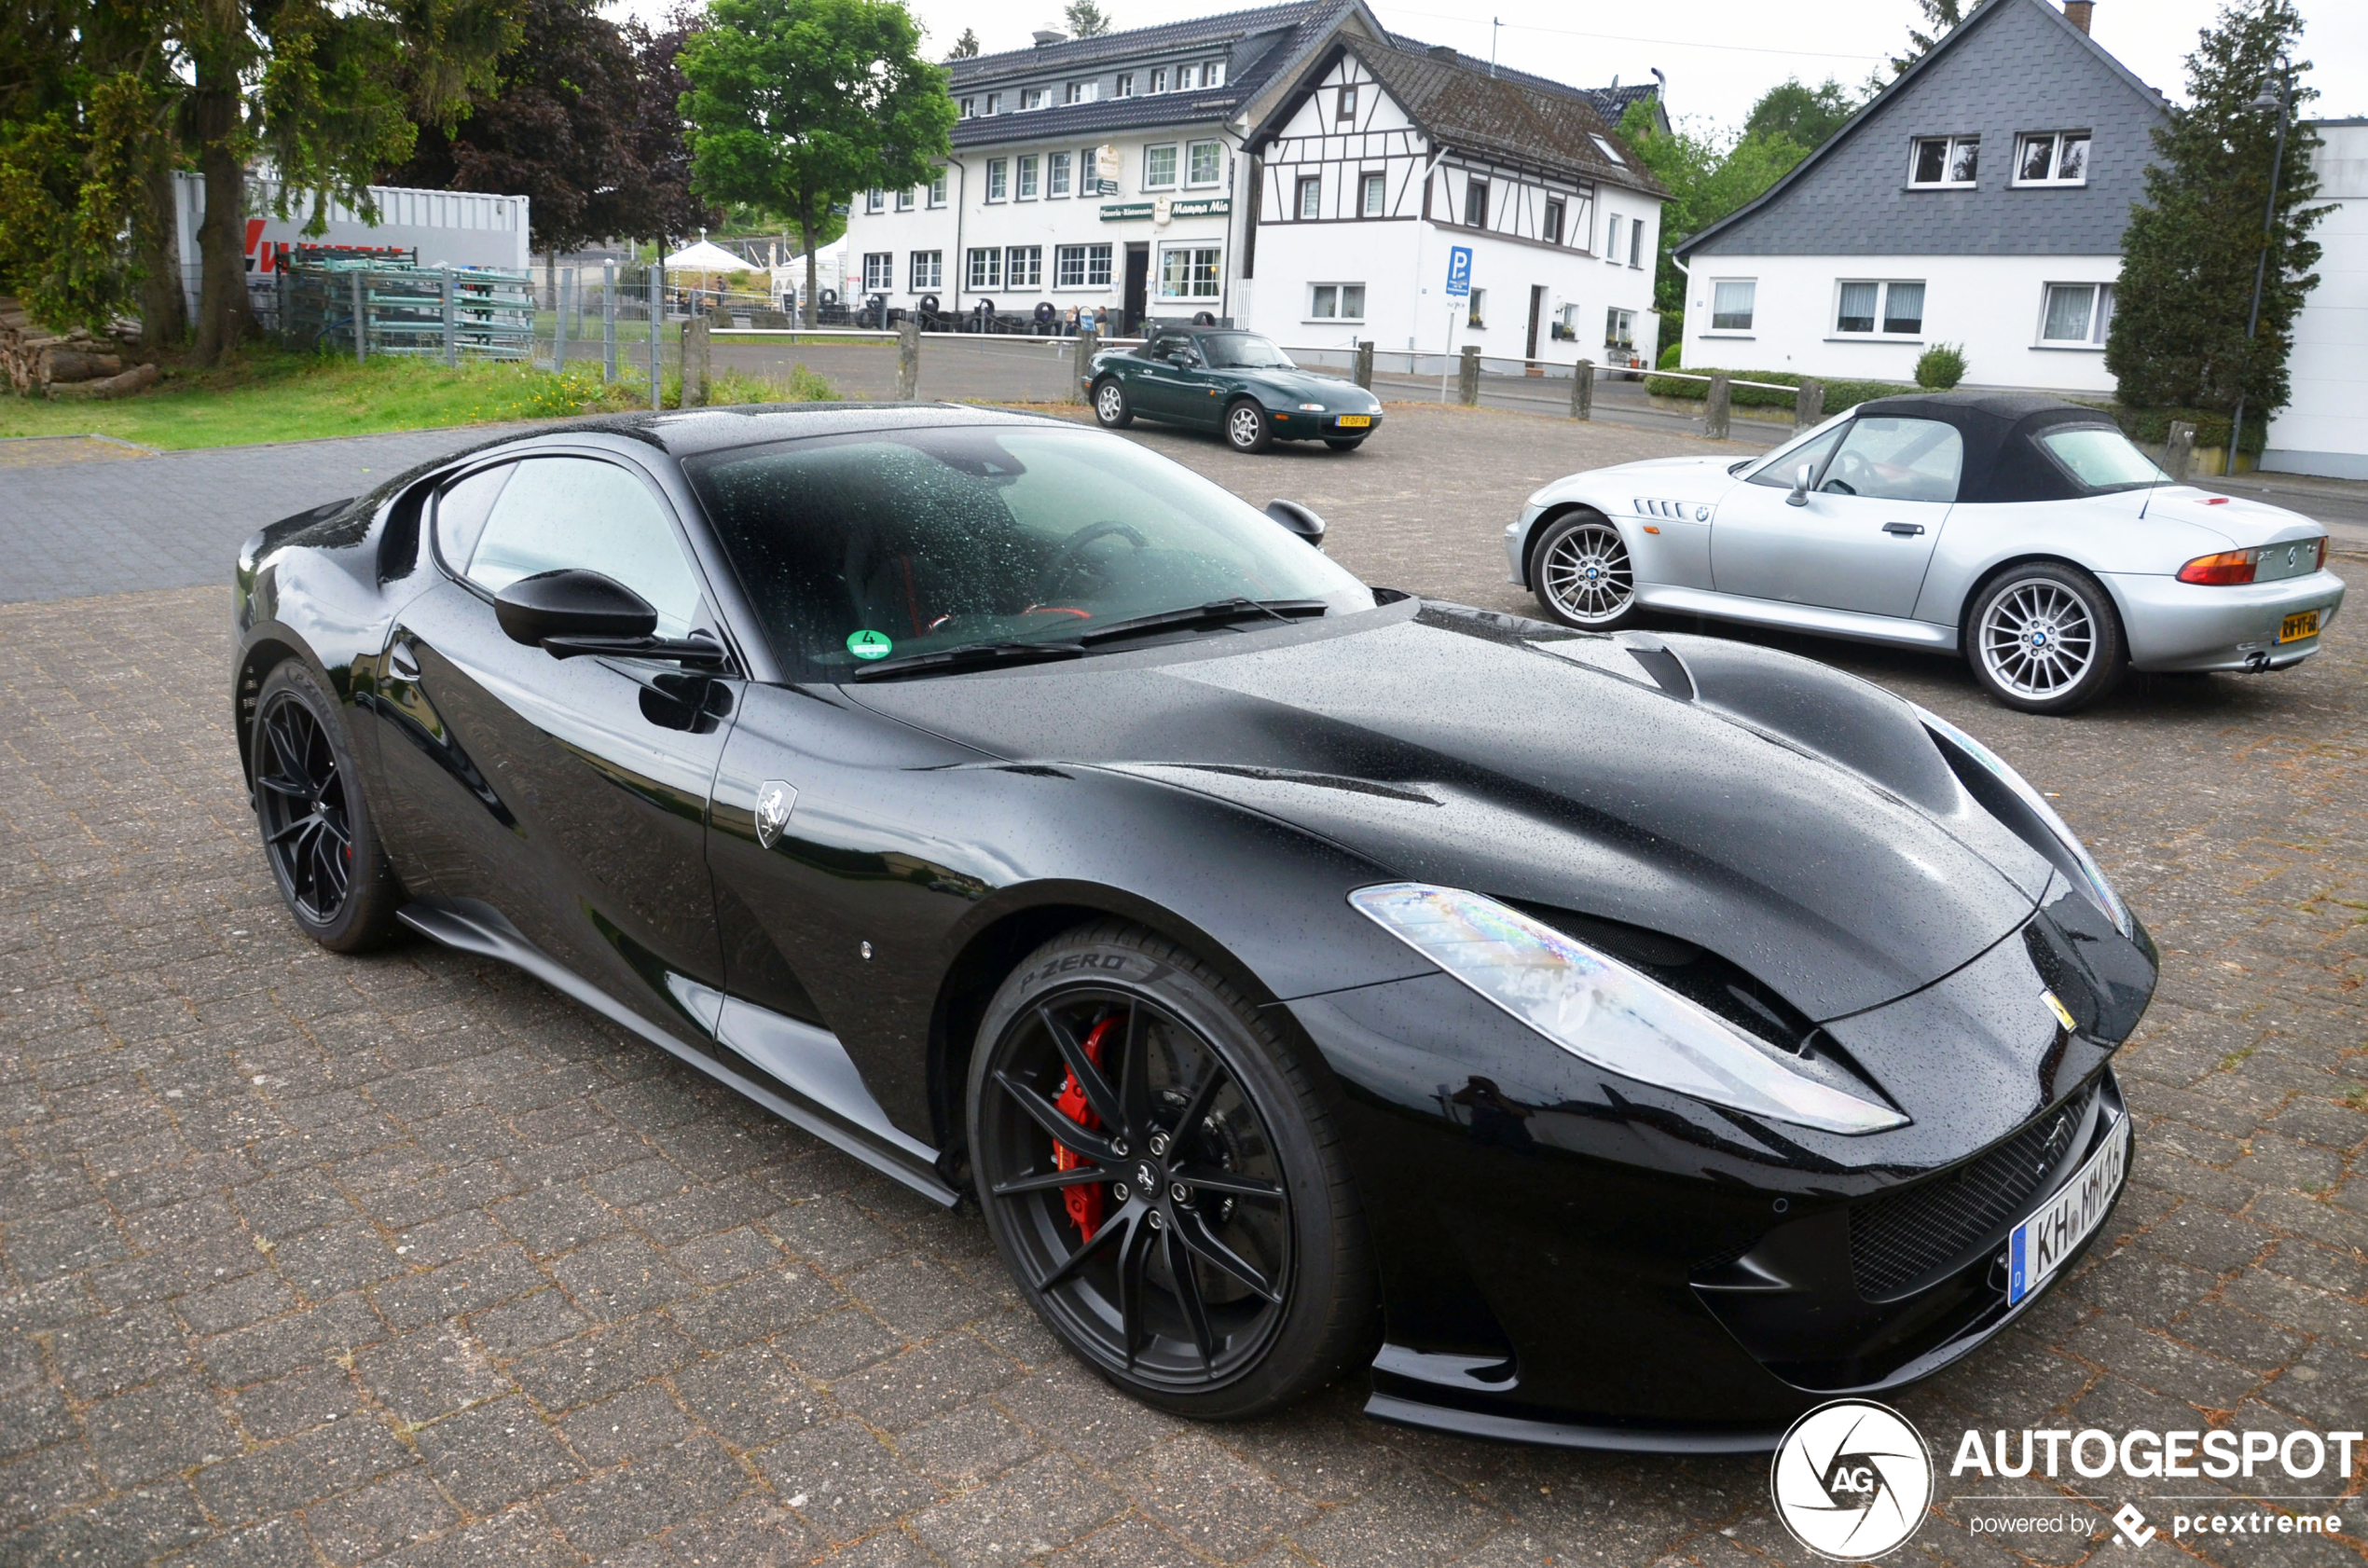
{"x":1299,"y":520}
{"x":572,"y":603}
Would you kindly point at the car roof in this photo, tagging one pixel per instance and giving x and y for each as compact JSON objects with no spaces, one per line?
{"x":2004,"y":461}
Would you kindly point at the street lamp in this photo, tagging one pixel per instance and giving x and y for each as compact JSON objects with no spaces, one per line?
{"x":2278,"y":100}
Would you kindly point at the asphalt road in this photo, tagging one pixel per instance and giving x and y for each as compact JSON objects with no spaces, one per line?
{"x":403,"y":1259}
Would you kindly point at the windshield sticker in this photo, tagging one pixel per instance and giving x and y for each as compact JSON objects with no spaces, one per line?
{"x":869,"y":644}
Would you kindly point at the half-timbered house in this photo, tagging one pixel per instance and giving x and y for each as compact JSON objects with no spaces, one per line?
{"x":1122,"y":173}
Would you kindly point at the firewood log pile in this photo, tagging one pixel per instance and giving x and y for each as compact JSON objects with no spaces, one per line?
{"x":69,"y":364}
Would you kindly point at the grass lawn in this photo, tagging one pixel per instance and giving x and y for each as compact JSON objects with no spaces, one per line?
{"x":271,"y":396}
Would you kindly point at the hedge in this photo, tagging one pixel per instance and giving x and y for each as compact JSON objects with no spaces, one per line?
{"x":2153,"y":426}
{"x":1838,"y":394}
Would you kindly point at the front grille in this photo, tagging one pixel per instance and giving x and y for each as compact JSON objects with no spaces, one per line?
{"x":1902,"y":1237}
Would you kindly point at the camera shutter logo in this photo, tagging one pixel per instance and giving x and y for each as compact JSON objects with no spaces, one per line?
{"x":1851,"y":1479}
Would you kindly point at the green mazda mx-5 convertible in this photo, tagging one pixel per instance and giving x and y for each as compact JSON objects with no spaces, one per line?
{"x":1235,"y":382}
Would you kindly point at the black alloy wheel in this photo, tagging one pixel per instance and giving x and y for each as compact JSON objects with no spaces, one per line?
{"x":1162,"y":1180}
{"x":1111,"y":410}
{"x":1248,"y":428}
{"x":315,"y":825}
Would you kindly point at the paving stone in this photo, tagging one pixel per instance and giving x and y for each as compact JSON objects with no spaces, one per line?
{"x":755,"y":1532}
{"x":494,"y":1455}
{"x":641,"y":1421}
{"x":283,"y":1345}
{"x":938,"y":1375}
{"x":1037,"y":1508}
{"x":556,"y":1220}
{"x":618,"y":1277}
{"x":842,"y":1480}
{"x":288,"y":1474}
{"x":155,"y":1431}
{"x":916,"y":1295}
{"x":296,"y":1403}
{"x":833,"y":1235}
{"x":275,"y":1543}
{"x":833,"y":1346}
{"x":530,"y":1323}
{"x":1210,"y":1499}
{"x":149,"y":1522}
{"x":965,"y":1447}
{"x":378,"y":1518}
{"x":427,"y":1374}
{"x":749,"y":1396}
{"x":599,"y":1364}
{"x":648,"y":1496}
{"x":758,"y":1307}
{"x":466,"y":1286}
{"x":101,"y":1355}
{"x":44,"y":1481}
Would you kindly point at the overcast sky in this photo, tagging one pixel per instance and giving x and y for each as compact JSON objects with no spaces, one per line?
{"x":1719,"y":55}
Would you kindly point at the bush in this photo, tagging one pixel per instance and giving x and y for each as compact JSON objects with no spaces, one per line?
{"x":2153,"y":427}
{"x":1838,"y":394}
{"x":1941,"y":366}
{"x":1670,"y":356}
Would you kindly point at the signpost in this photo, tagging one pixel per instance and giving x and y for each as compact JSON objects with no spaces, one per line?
{"x":1459,"y":287}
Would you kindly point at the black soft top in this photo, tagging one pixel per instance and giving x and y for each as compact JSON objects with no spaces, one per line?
{"x":2003,"y":460}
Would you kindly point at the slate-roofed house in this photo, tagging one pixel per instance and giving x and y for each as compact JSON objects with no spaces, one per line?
{"x":1980,"y":200}
{"x":1123,"y":172}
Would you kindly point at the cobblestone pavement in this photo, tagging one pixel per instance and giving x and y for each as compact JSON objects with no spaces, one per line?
{"x":315,"y":1261}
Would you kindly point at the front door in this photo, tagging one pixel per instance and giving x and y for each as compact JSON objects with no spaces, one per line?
{"x":1171,"y":382}
{"x":1879,"y":491}
{"x":570,"y":795}
{"x":1138,"y":285}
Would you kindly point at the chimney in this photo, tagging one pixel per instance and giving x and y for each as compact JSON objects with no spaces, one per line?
{"x":1045,"y":36}
{"x":1444,"y":51}
{"x":2078,"y":12}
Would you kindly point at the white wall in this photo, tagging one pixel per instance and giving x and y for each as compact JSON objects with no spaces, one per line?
{"x":2324,"y":428}
{"x":1992,"y":305}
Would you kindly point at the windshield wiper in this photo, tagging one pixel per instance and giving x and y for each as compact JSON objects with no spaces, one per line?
{"x":1216,"y":612}
{"x":977,"y":656}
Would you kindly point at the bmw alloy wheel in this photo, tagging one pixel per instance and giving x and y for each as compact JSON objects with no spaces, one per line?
{"x":1584,"y":575}
{"x":2037,"y":638}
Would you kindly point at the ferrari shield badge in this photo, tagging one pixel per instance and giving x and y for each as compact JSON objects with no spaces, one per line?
{"x":773,"y":800}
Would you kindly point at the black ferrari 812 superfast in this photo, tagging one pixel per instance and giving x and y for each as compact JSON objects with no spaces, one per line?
{"x":1623,"y":1041}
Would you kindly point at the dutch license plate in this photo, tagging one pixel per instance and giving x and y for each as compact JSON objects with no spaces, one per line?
{"x":2294,"y":628}
{"x":2040,"y":1244}
{"x":1358,"y":422}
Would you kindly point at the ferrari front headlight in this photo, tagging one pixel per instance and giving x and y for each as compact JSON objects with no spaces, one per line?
{"x":1605,"y":1013}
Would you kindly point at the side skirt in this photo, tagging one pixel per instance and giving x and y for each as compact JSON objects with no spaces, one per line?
{"x":809,"y":1082}
{"x":1891,"y":630}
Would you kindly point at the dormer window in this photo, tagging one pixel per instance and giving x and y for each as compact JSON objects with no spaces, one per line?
{"x":2052,"y":158}
{"x":970,"y":108}
{"x":1035,"y":97}
{"x":1186,"y":77}
{"x":1941,"y":161}
{"x":1125,"y":88}
{"x":1213,"y":73}
{"x":1159,"y":78}
{"x":994,"y":102}
{"x":1083,"y":92}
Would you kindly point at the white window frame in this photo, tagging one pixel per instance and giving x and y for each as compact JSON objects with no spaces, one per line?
{"x":1607,"y":150}
{"x":876,"y":202}
{"x":1030,"y":179}
{"x":1837,"y":334}
{"x":1318,"y":299}
{"x":1611,"y":238}
{"x":937,"y":187}
{"x":1188,"y":76}
{"x":1948,"y":145}
{"x":1083,"y":93}
{"x":1125,"y":85}
{"x":985,"y":267}
{"x":1034,"y":97}
{"x":1750,"y":311}
{"x":1620,"y":328}
{"x":1198,"y":289}
{"x":2100,"y":317}
{"x":994,"y":102}
{"x":2055,"y":140}
{"x":970,"y":108}
{"x":1372,"y":194}
{"x":1081,"y":266}
{"x":1476,"y":310}
{"x":1173,"y":165}
{"x":1023,"y":259}
{"x":1193,"y":151}
{"x":1213,"y":72}
{"x":1089,"y":171}
{"x":928,"y":270}
{"x":1307,"y":199}
{"x":879,"y":272}
{"x":999,"y":179}
{"x":904,"y":199}
{"x":1636,"y":244}
{"x":1056,"y":176}
{"x":1159,"y":78}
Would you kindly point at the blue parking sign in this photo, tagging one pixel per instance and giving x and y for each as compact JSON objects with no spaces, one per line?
{"x":1459,"y":272}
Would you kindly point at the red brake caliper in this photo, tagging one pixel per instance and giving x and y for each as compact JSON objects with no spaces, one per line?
{"x":1085,"y":1202}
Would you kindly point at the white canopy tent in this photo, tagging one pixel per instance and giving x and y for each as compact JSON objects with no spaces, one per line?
{"x":707,"y":257}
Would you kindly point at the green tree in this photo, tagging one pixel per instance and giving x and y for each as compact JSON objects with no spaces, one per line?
{"x":1709,"y":173}
{"x":2178,"y":335}
{"x":1804,"y":116}
{"x":1086,"y":19}
{"x":796,"y":105}
{"x":967,"y":45}
{"x":1940,"y":16}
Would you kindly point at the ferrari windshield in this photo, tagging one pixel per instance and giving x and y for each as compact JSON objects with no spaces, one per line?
{"x":863,"y":547}
{"x":1244,"y":351}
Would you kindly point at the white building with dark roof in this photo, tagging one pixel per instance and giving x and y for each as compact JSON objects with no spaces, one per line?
{"x":1161,"y":172}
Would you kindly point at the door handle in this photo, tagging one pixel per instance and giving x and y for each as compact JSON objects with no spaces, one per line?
{"x":399,"y":660}
{"x":1904,"y":530}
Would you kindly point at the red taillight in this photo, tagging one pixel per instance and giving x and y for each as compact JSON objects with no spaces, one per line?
{"x":2321,"y":564}
{"x":2225,"y":569}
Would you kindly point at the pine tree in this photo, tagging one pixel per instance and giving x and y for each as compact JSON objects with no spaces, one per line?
{"x":1940,"y":16}
{"x":967,"y":45}
{"x":1086,"y":19}
{"x":2178,"y":338}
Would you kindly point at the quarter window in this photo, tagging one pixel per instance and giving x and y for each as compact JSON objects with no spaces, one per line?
{"x":1896,"y":308}
{"x":1206,"y":166}
{"x":987,"y":267}
{"x":1731,"y":304}
{"x":1311,"y":197}
{"x":1375,"y":200}
{"x":1158,"y":168}
{"x":2052,"y":158}
{"x":1024,"y":266}
{"x":580,"y":512}
{"x":1189,"y":272}
{"x":929,"y":270}
{"x":1946,"y":160}
{"x":879,"y":272}
{"x":2077,"y":314}
{"x":1337,"y":302}
{"x":460,"y":512}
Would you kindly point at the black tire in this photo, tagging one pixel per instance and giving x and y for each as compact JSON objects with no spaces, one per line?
{"x":1112,"y":410}
{"x":1348,"y":446}
{"x":1248,"y":428}
{"x":2044,"y":638}
{"x":318,"y":835}
{"x":1582,"y":574}
{"x":1191,"y":1052}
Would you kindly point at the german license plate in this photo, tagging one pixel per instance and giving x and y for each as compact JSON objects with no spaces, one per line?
{"x":2039,"y":1245}
{"x":1359,"y":422}
{"x":2294,"y":628}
